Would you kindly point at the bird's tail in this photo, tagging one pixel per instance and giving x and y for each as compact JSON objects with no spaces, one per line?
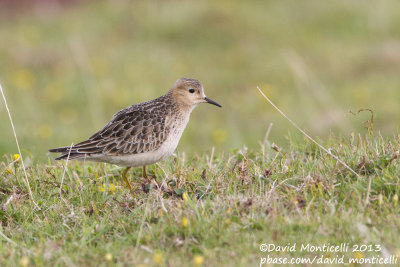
{"x":67,"y":154}
{"x":79,"y":151}
{"x":71,"y":156}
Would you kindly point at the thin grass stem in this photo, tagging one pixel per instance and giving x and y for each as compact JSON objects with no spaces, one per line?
{"x":308,"y":136}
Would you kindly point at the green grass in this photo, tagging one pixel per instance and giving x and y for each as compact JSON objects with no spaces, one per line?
{"x":236,"y":201}
{"x":66,"y":71}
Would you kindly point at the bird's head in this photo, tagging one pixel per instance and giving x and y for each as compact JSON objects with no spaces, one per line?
{"x":190,"y":92}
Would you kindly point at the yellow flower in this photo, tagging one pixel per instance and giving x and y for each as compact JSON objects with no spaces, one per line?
{"x":24,"y":261}
{"x":108,"y":257}
{"x":111,"y":188}
{"x":50,"y":95}
{"x":358,"y":255}
{"x":24,"y":79}
{"x":45,"y":131}
{"x":17,"y":157}
{"x":219,"y":136}
{"x":9,"y":171}
{"x":185,"y":222}
{"x":158,"y":258}
{"x":102,"y":188}
{"x":395,"y":198}
{"x":198,"y":260}
{"x":185,"y":196}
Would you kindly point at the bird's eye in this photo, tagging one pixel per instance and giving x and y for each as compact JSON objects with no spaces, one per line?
{"x":191,"y":90}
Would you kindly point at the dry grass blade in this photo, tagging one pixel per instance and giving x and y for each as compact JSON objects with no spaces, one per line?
{"x":368,"y":192}
{"x":19,"y":149}
{"x":65,"y":168}
{"x":8,"y":239}
{"x":309,"y":137}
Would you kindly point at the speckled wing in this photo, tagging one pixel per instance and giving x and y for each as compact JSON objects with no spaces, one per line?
{"x":137,"y":129}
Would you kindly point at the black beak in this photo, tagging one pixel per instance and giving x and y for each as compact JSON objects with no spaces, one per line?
{"x":212,"y":102}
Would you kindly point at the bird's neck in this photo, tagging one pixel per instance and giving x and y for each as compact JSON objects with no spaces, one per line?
{"x":178,"y":103}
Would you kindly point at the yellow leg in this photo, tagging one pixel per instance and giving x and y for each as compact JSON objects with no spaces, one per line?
{"x":144,"y":172}
{"x":126,"y":179}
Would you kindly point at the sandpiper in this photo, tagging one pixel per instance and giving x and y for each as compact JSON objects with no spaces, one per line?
{"x":144,"y":133}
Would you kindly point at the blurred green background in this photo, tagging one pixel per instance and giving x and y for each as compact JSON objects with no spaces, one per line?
{"x":68,"y":66}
